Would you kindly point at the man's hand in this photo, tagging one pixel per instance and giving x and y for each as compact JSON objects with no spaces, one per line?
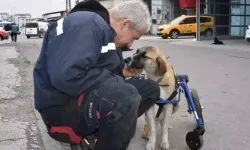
{"x":130,"y":72}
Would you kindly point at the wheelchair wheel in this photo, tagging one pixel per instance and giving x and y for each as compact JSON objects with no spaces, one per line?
{"x":194,"y":140}
{"x":197,"y":104}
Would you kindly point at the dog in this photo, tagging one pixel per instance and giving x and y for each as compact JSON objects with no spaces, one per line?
{"x":156,"y":67}
{"x":218,"y":42}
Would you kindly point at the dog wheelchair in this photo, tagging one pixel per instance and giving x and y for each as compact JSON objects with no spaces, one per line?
{"x":194,"y":138}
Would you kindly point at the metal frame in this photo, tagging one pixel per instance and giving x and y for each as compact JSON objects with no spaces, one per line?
{"x":198,"y":13}
{"x":183,"y":87}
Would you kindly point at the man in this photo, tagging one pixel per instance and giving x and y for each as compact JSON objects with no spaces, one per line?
{"x":14,"y":32}
{"x":79,"y":75}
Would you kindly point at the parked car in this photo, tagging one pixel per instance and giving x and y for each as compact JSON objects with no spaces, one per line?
{"x":248,"y":34}
{"x":3,"y":35}
{"x":186,"y":26}
{"x":36,"y":28}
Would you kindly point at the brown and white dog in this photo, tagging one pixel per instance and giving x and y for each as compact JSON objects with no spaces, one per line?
{"x":156,"y":68}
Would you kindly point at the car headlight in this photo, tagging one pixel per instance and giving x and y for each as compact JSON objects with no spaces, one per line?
{"x":166,"y":27}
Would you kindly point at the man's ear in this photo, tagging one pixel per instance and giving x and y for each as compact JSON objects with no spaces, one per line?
{"x":126,"y":23}
{"x":162,"y":68}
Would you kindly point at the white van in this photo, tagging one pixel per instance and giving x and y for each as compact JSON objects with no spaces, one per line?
{"x":36,"y":28}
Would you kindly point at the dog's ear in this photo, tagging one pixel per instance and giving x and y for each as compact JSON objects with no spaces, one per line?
{"x":162,"y":68}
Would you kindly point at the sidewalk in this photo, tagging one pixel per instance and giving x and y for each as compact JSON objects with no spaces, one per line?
{"x":20,"y":128}
{"x":13,"y":131}
{"x":231,"y":44}
{"x":5,"y":42}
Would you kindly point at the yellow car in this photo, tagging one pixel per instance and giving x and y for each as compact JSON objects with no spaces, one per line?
{"x":186,"y":26}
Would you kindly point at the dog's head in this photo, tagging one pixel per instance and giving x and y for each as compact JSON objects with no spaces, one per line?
{"x":216,"y":39}
{"x":151,"y":60}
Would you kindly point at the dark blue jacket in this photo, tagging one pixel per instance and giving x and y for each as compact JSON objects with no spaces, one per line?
{"x":77,"y":55}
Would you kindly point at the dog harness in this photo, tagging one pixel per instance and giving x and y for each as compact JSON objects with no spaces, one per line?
{"x":171,"y":97}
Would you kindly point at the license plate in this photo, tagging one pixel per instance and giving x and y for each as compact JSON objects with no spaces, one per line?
{"x":29,"y":32}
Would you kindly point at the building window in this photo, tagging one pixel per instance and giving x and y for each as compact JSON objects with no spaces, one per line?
{"x":237,"y":31}
{"x":237,"y":20}
{"x":238,"y":9}
{"x":238,"y":2}
{"x":247,"y":20}
{"x":247,"y":10}
{"x":224,"y":31}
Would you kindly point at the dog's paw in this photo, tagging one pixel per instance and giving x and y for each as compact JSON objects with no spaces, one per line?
{"x":164,"y":145}
{"x":146,"y":132}
{"x":151,"y":145}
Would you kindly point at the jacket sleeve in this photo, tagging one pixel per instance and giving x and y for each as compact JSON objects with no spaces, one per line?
{"x":71,"y":66}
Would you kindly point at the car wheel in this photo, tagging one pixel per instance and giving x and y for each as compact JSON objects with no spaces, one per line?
{"x":174,"y":34}
{"x":1,"y":38}
{"x":248,"y":40}
{"x":208,"y":33}
{"x":28,"y":36}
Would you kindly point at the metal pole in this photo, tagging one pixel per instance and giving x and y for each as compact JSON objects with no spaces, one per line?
{"x":69,"y":5}
{"x":11,"y":15}
{"x":198,"y":13}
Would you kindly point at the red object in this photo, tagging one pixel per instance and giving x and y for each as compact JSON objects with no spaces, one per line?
{"x":3,"y":35}
{"x":109,"y":113}
{"x":69,"y":131}
{"x":191,"y":4}
{"x":80,"y":99}
{"x":98,"y":115}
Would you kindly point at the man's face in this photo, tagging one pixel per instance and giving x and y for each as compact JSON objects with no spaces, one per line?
{"x":126,"y":34}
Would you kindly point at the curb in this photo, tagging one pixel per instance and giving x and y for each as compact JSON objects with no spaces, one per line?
{"x":47,"y":141}
{"x":5,"y":42}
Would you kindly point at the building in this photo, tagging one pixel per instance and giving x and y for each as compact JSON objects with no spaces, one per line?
{"x":4,"y":16}
{"x":54,"y":16}
{"x":231,"y":16}
{"x":21,"y":19}
{"x":162,"y":11}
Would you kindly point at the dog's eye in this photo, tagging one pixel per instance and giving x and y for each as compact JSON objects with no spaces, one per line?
{"x":138,"y":51}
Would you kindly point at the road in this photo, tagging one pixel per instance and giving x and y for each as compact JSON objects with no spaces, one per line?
{"x":220,"y":74}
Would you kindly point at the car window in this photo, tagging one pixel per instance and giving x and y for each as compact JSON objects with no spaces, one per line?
{"x":190,"y":20}
{"x":205,"y":19}
{"x":176,"y":20}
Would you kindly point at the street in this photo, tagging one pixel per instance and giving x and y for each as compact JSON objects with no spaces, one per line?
{"x":220,"y":74}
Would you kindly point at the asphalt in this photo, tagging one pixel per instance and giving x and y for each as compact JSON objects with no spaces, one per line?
{"x":221,"y":75}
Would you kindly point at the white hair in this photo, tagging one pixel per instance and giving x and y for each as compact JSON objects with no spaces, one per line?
{"x":134,"y":10}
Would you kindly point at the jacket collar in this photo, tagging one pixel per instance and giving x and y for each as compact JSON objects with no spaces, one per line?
{"x":93,"y":6}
